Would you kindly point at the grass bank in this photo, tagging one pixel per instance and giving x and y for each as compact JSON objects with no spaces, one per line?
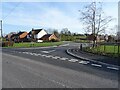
{"x":29,"y":44}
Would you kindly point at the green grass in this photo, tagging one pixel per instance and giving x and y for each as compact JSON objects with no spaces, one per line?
{"x":81,"y":41}
{"x":109,"y":50}
{"x":44,"y":44}
{"x":79,"y":36}
{"x":106,"y":49}
{"x":77,"y":39}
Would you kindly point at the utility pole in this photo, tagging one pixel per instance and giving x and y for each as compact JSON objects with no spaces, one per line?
{"x":118,"y":42}
{"x":1,"y":30}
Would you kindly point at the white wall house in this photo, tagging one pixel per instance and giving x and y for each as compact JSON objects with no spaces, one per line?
{"x":36,"y":34}
{"x":41,"y":33}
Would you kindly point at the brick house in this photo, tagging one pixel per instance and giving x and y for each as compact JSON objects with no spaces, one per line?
{"x":8,"y":37}
{"x":23,"y":37}
{"x":17,"y":37}
{"x":49,"y":37}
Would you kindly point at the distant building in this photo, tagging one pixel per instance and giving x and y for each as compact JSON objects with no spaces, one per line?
{"x":23,"y":37}
{"x":36,"y":34}
{"x":17,"y":37}
{"x":98,"y":38}
{"x":8,"y":36}
{"x":49,"y":37}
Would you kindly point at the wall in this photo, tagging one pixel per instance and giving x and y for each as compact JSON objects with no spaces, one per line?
{"x":53,"y":37}
{"x":41,"y":34}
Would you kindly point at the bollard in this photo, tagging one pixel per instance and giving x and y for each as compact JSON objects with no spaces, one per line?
{"x":81,"y":47}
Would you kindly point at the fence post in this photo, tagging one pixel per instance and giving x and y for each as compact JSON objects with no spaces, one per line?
{"x":118,"y":49}
{"x":114,"y":48}
{"x":104,"y":48}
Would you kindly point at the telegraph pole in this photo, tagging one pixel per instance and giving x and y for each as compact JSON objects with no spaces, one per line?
{"x":1,"y":30}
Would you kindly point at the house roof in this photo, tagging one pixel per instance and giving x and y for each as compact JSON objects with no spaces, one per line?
{"x":9,"y":35}
{"x":46,"y":36}
{"x":23,"y":35}
{"x":13,"y":35}
{"x":16,"y":35}
{"x":36,"y":31}
{"x":19,"y":33}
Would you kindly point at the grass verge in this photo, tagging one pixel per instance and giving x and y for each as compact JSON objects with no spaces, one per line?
{"x":109,"y":50}
{"x":29,"y":44}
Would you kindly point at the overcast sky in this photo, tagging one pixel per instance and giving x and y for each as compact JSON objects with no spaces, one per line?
{"x":23,"y":16}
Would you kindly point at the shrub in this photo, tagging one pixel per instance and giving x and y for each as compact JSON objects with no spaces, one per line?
{"x":53,"y":40}
{"x":7,"y":43}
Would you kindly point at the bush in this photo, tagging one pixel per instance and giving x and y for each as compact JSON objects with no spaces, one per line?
{"x":7,"y":43}
{"x":53,"y":40}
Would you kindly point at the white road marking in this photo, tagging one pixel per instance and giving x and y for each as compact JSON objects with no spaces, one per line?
{"x":27,"y":52}
{"x":63,"y":58}
{"x":45,"y":51}
{"x":48,"y":51}
{"x":49,"y":56}
{"x":113,"y":68}
{"x":19,"y":83}
{"x":96,"y":65}
{"x":43,"y":55}
{"x":56,"y":57}
{"x":73,"y":60}
{"x":31,"y":54}
{"x":51,"y":51}
{"x":23,"y":52}
{"x":35,"y":54}
{"x":39,"y":54}
{"x":84,"y":62}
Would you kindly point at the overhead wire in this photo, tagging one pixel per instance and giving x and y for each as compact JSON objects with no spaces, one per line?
{"x":12,"y":10}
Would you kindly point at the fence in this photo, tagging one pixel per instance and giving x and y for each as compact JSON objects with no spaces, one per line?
{"x":109,"y":48}
{"x":112,"y":49}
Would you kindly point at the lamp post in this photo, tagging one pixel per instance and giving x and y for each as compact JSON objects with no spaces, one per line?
{"x":118,"y":38}
{"x":1,"y":30}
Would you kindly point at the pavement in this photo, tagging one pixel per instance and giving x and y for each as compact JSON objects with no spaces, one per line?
{"x":52,"y":68}
{"x":97,"y":60}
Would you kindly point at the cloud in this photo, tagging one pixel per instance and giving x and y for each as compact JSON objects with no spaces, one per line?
{"x":57,"y":19}
{"x":60,"y":0}
{"x":47,"y":15}
{"x":51,"y":18}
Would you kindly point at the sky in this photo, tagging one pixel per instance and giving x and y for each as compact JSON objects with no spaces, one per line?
{"x":23,"y":16}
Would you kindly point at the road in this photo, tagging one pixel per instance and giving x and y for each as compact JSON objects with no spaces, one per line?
{"x":52,"y":68}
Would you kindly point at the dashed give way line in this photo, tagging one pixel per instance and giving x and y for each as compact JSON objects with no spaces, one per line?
{"x":114,"y":68}
{"x":84,"y":62}
{"x":73,"y":60}
{"x":70,"y":60}
{"x":96,"y":65}
{"x":48,"y":51}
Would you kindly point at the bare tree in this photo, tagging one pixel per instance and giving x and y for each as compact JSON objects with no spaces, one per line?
{"x":94,"y":19}
{"x":65,"y":31}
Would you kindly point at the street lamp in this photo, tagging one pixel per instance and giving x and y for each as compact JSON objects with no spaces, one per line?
{"x":1,"y":30}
